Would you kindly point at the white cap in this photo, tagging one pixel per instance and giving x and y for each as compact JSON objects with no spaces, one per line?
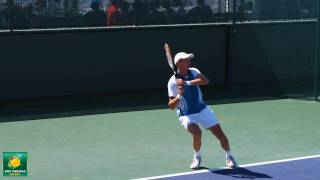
{"x":182,"y":55}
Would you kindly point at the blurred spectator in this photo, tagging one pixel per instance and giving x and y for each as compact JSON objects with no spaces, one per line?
{"x":248,"y":6}
{"x":70,"y":7}
{"x":74,"y":5}
{"x":29,"y":18}
{"x":40,"y":7}
{"x":140,"y":12}
{"x":201,"y":13}
{"x":125,"y":17}
{"x":169,"y":14}
{"x":309,"y":8}
{"x":96,"y":16}
{"x":7,"y":14}
{"x":113,"y":13}
{"x":12,"y":15}
{"x":245,"y":10}
{"x":181,"y":12}
{"x":66,"y":7}
{"x":241,"y":13}
{"x":40,"y":4}
{"x":155,"y":16}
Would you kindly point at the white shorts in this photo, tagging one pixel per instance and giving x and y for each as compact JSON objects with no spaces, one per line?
{"x":206,"y":118}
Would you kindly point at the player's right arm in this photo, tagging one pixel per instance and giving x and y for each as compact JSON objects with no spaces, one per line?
{"x":174,"y":101}
{"x":175,"y":93}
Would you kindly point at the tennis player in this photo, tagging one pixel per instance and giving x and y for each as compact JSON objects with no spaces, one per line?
{"x":185,"y":95}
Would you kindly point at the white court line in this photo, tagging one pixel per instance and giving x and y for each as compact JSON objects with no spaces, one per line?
{"x":244,"y":165}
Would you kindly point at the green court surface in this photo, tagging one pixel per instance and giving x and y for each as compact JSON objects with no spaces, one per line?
{"x":136,"y":144}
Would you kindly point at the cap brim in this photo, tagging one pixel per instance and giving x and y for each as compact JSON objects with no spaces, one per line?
{"x":188,"y":56}
{"x":191,"y":55}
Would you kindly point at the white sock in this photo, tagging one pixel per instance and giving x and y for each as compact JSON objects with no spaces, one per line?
{"x":228,"y":153}
{"x":196,"y":154}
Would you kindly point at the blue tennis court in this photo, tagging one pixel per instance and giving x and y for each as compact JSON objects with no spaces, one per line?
{"x":306,"y":168}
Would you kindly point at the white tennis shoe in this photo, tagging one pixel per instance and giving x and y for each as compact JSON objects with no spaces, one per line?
{"x":195,"y":162}
{"x":231,"y":162}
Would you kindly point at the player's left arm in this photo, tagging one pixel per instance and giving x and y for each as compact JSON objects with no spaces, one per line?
{"x":200,"y":80}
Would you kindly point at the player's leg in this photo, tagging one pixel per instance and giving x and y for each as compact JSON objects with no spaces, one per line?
{"x":209,"y":121}
{"x":196,"y":133}
{"x":195,"y":130}
{"x":217,"y":131}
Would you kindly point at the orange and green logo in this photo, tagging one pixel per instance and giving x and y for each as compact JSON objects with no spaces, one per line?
{"x":15,"y":163}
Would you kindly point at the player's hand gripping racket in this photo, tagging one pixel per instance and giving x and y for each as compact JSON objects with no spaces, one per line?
{"x":169,"y":59}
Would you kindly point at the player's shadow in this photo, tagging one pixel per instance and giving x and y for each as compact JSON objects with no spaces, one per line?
{"x":238,"y":173}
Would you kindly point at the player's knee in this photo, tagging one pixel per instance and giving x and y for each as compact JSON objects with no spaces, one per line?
{"x":197,"y":134}
{"x":217,"y":131}
{"x":194,"y":130}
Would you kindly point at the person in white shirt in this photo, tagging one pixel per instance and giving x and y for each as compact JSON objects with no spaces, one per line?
{"x":185,"y":95}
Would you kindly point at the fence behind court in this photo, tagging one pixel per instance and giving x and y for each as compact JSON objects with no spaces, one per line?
{"x":269,"y":45}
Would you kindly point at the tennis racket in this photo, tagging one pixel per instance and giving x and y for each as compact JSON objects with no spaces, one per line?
{"x":169,"y":59}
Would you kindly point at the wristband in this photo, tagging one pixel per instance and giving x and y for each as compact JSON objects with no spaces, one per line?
{"x":179,"y":96}
{"x":188,"y":83}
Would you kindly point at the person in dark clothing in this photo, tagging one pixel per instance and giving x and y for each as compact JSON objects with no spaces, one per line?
{"x":155,"y":16}
{"x":125,"y":17}
{"x":140,"y":12}
{"x":202,"y":13}
{"x":181,"y":12}
{"x":96,"y":16}
{"x":9,"y":14}
{"x":169,"y":13}
{"x":28,"y":18}
{"x":13,"y":16}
